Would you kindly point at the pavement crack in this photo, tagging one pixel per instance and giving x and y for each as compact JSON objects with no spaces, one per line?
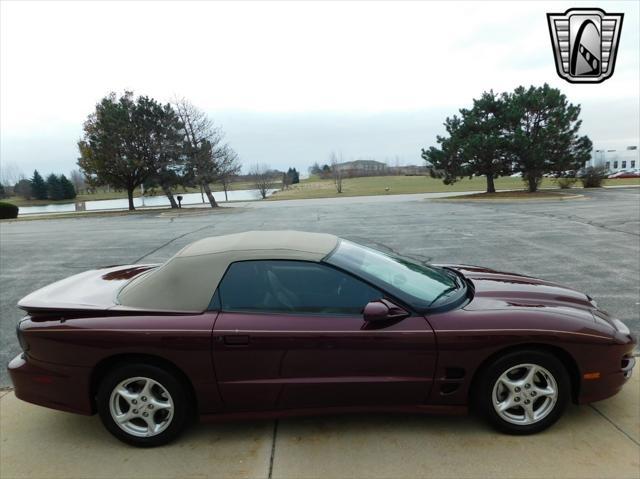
{"x":273,"y":448}
{"x":614,"y":424}
{"x":169,"y":242}
{"x":571,"y":218}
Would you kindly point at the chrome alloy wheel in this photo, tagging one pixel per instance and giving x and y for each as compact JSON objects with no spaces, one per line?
{"x":141,"y":407}
{"x":525,"y":394}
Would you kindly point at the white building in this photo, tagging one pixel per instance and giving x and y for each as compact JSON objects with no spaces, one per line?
{"x":616,"y":160}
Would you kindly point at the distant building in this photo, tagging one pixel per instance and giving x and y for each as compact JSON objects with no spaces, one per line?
{"x":356,"y":168}
{"x":366,"y":167}
{"x":616,"y":160}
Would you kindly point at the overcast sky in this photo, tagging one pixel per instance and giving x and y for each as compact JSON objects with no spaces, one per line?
{"x":291,"y":82}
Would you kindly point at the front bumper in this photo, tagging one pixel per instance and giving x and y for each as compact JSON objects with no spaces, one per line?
{"x":608,"y":384}
{"x":50,"y":385}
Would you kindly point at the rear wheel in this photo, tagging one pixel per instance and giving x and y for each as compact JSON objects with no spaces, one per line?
{"x":524,"y":392}
{"x":142,"y":405}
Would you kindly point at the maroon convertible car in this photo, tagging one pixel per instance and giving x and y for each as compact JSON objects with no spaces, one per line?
{"x":266,"y":324}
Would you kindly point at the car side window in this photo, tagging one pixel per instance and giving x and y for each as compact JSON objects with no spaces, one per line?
{"x":293,"y":287}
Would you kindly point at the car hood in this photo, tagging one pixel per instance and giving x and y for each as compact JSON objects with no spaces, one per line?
{"x":500,"y":290}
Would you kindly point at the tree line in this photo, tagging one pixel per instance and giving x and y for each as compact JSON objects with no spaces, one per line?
{"x":55,"y":187}
{"x":532,"y":131}
{"x":129,"y":141}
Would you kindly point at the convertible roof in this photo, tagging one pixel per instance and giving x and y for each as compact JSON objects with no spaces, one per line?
{"x":298,"y":241}
{"x":187,"y":281}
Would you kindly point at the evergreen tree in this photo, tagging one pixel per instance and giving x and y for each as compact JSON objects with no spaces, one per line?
{"x":3,"y":193}
{"x":54,"y":188}
{"x":68,"y":190}
{"x":543,"y":133}
{"x":476,"y":144}
{"x":292,"y":177}
{"x":534,"y":131}
{"x":38,"y":187}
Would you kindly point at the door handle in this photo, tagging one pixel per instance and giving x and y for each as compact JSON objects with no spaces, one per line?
{"x":237,"y":340}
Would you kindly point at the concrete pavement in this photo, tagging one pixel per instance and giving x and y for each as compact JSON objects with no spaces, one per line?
{"x":599,"y":441}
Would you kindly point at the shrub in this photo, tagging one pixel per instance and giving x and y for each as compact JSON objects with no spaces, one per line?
{"x":566,"y":182}
{"x":7,"y":210}
{"x":593,"y":176}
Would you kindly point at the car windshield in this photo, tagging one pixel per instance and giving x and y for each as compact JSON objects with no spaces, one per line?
{"x":419,"y":285}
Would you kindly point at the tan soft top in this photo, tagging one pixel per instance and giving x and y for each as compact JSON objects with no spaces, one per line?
{"x":187,"y":281}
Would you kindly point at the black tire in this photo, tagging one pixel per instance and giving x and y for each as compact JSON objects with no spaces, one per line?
{"x":485,"y":390}
{"x":167,"y":381}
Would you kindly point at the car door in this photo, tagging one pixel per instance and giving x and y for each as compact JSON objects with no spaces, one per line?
{"x":290,"y":335}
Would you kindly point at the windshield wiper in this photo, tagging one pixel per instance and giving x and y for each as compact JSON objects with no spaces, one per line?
{"x":444,"y":293}
{"x":458,"y":285}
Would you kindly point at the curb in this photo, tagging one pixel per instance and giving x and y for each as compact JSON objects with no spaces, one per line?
{"x":512,"y":199}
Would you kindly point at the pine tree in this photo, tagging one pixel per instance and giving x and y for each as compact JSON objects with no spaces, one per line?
{"x":54,"y":188}
{"x":543,"y":129}
{"x":533,"y":131}
{"x":68,"y":190}
{"x":38,"y":187}
{"x":476,"y":144}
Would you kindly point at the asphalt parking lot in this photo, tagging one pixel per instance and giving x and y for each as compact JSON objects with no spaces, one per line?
{"x":591,"y":244}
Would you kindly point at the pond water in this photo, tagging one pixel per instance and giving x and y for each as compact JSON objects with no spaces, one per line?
{"x":141,"y":202}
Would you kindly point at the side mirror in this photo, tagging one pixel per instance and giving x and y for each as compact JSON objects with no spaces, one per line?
{"x":383,"y":310}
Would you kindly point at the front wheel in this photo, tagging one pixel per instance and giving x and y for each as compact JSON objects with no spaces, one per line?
{"x":524,"y":392}
{"x":142,"y":405}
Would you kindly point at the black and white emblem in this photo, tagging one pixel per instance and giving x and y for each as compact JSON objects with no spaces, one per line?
{"x":585,"y":43}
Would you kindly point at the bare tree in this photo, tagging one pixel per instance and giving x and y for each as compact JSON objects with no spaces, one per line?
{"x":10,"y":174}
{"x":336,"y":171}
{"x":23,"y":188}
{"x":262,"y":179}
{"x":286,"y":181}
{"x":77,"y":178}
{"x":203,"y":146}
{"x":228,"y":166}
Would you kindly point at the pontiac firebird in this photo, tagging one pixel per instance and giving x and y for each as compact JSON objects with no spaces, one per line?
{"x":272,"y":324}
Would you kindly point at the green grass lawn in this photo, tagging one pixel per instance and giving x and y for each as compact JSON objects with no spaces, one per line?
{"x":373,"y":185}
{"x":377,"y":185}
